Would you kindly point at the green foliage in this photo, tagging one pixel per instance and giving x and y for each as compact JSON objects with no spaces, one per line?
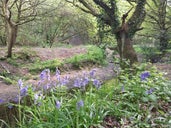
{"x":40,"y":65}
{"x":140,"y":100}
{"x":94,"y":55}
{"x":57,"y":26}
{"x":151,"y":54}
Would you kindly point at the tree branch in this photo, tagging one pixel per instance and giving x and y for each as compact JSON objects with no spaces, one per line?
{"x":103,"y":5}
{"x":137,"y":17}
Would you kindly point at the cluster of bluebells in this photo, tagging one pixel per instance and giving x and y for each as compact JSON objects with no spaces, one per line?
{"x":46,"y":83}
{"x":82,"y":82}
{"x":144,"y":75}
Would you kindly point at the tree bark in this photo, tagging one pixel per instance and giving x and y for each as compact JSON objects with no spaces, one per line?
{"x":125,"y":46}
{"x":12,"y":36}
{"x":163,"y":38}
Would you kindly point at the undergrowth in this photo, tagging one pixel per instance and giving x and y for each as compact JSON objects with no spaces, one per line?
{"x":139,"y":99}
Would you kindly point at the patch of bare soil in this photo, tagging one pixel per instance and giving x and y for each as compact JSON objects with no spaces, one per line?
{"x":58,"y":53}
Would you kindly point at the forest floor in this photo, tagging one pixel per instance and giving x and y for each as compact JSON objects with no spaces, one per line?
{"x":102,"y":72}
{"x":7,"y":92}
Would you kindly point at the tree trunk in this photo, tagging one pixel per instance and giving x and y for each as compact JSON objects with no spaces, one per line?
{"x":125,"y":47}
{"x":163,"y":38}
{"x":12,"y":31}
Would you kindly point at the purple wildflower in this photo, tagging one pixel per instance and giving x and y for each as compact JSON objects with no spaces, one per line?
{"x":58,"y":73}
{"x":96,"y":83}
{"x":43,"y":75}
{"x":48,"y":74}
{"x":37,"y":98}
{"x":47,"y":86}
{"x":77,"y":83}
{"x":150,"y":91}
{"x":85,"y":81}
{"x":1,"y":101}
{"x":10,"y":106}
{"x":92,"y":73}
{"x":23,"y":91}
{"x":20,"y":83}
{"x":16,"y":99}
{"x":80,"y":104}
{"x":64,"y":81}
{"x":58,"y":78}
{"x":58,"y":104}
{"x":144,"y":75}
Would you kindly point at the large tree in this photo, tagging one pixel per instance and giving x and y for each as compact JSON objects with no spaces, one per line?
{"x":124,"y":29}
{"x":16,"y":13}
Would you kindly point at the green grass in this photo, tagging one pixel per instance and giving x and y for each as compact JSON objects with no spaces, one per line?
{"x":94,"y":55}
{"x":40,"y":65}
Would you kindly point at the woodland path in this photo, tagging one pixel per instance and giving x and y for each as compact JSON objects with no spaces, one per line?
{"x":102,"y":73}
{"x":7,"y":92}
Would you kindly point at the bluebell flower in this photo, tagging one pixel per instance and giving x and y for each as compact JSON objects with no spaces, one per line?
{"x":58,"y":72}
{"x":77,"y":82}
{"x":10,"y":106}
{"x":1,"y":101}
{"x":92,"y":73}
{"x":150,"y":91}
{"x":85,"y":81}
{"x":58,"y":78}
{"x":64,"y":81}
{"x":58,"y":104}
{"x":48,"y":74}
{"x":43,"y":75}
{"x":80,"y":104}
{"x":16,"y":99}
{"x":20,"y":83}
{"x":38,"y":97}
{"x":96,"y":83}
{"x":144,"y":75}
{"x":23,"y":91}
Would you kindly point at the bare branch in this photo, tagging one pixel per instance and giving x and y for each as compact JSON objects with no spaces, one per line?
{"x":14,"y":2}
